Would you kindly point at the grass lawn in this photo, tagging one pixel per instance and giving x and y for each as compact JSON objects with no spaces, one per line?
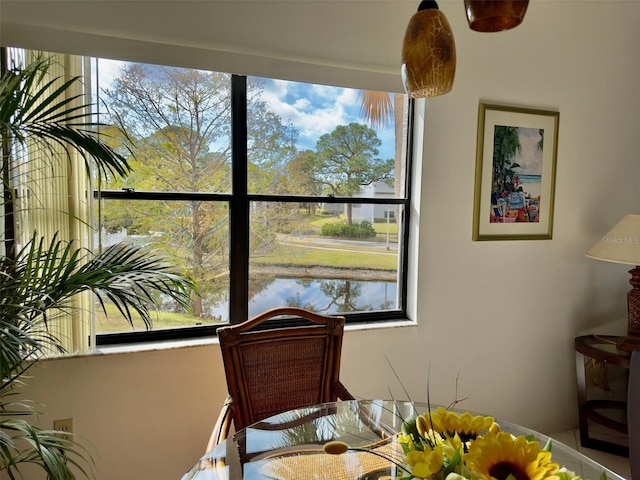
{"x":343,"y":258}
{"x":115,"y":322}
{"x":381,"y":228}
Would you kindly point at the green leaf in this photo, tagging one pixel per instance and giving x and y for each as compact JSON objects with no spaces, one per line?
{"x":453,"y":463}
{"x":38,"y":280}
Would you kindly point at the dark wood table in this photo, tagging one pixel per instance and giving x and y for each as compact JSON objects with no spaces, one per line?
{"x":598,"y":353}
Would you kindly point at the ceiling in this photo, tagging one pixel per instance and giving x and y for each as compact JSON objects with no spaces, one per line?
{"x":354,"y":35}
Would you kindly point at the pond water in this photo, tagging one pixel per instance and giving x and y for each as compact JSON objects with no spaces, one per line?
{"x":327,"y":296}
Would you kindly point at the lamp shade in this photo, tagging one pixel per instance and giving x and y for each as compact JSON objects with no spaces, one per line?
{"x":428,"y":53}
{"x":495,"y":15}
{"x":621,"y":244}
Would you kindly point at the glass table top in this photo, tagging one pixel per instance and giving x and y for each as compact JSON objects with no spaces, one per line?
{"x":291,"y":445}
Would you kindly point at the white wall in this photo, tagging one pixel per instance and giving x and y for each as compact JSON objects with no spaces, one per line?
{"x":500,"y":315}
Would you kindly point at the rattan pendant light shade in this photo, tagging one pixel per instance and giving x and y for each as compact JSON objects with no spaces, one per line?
{"x":428,"y":53}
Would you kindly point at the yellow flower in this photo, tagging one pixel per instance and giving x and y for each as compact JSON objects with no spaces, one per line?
{"x":406,"y":440}
{"x":449,"y":423}
{"x":451,"y":445}
{"x":498,"y":455}
{"x":425,"y":463}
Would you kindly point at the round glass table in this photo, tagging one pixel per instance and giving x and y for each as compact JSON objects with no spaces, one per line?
{"x":291,"y":445}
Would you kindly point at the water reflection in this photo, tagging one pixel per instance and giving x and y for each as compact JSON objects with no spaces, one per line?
{"x":328,"y":296}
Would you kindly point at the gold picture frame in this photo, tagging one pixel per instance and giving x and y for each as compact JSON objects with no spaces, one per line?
{"x":515,"y":173}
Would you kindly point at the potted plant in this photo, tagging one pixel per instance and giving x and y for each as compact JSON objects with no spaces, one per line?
{"x":38,"y":279}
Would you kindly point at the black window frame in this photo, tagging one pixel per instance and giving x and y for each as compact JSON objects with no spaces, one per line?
{"x":239,"y":200}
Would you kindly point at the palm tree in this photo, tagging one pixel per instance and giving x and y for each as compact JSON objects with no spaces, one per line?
{"x":540,"y":144}
{"x":39,"y":279}
{"x":380,"y":111}
{"x":377,"y":108}
{"x":506,"y":144}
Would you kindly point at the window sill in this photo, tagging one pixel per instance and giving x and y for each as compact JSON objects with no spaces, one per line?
{"x":380,"y":325}
{"x":199,"y":342}
{"x":154,"y":346}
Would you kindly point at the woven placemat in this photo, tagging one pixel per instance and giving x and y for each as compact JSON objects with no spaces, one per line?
{"x":318,"y":465}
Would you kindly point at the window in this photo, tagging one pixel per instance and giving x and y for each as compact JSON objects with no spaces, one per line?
{"x":267,"y":192}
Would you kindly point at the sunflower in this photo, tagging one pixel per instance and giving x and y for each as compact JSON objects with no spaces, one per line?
{"x":498,"y":455}
{"x":467,"y":426}
{"x":425,"y":463}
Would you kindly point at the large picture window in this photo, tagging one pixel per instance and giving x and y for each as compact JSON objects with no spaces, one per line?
{"x":267,"y":192}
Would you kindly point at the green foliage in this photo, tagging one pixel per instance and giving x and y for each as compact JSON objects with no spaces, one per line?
{"x":347,"y":158}
{"x":506,"y":145}
{"x":35,"y":288}
{"x":28,"y":112}
{"x":362,"y":230}
{"x":179,"y":122}
{"x":38,"y":281}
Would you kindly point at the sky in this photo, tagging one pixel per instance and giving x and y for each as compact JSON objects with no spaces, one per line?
{"x":530,"y":159}
{"x":312,"y":109}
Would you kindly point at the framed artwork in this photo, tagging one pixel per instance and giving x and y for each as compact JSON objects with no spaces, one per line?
{"x":515,"y":173}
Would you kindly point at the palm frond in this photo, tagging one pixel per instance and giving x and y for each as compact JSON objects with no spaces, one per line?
{"x":54,"y":453}
{"x":377,"y":109}
{"x":41,"y":280}
{"x":38,"y":282}
{"x":45,"y":276}
{"x":28,"y":110}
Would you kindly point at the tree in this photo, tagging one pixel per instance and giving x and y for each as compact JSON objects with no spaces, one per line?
{"x":540,"y":144}
{"x":346,"y":160}
{"x":298,"y":179}
{"x":180,"y":120}
{"x":343,"y":294}
{"x":271,"y":144}
{"x":506,"y":144}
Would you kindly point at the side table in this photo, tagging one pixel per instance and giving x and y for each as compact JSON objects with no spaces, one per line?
{"x":609,"y":413}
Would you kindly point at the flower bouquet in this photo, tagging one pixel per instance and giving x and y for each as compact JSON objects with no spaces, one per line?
{"x":445,"y":445}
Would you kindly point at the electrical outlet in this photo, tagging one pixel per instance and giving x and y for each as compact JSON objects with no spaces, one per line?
{"x":64,"y":425}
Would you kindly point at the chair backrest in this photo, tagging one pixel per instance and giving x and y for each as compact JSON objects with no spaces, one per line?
{"x":633,"y":414}
{"x":270,"y":371}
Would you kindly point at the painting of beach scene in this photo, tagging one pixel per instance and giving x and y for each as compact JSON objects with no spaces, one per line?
{"x":515,"y":173}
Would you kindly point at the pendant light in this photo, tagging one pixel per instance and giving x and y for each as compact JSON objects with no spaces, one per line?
{"x":494,"y":15}
{"x":428,"y":53}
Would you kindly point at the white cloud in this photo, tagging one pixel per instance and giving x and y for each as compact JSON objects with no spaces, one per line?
{"x":530,"y":159}
{"x":313,"y":109}
{"x":302,"y":104}
{"x":108,"y":70}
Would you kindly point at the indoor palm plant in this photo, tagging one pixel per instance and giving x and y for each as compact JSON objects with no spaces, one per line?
{"x":39,"y":277}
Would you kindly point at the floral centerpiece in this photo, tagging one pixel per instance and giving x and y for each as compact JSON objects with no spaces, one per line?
{"x":445,"y":445}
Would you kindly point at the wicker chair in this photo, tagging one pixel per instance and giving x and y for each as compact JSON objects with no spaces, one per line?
{"x":270,"y":371}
